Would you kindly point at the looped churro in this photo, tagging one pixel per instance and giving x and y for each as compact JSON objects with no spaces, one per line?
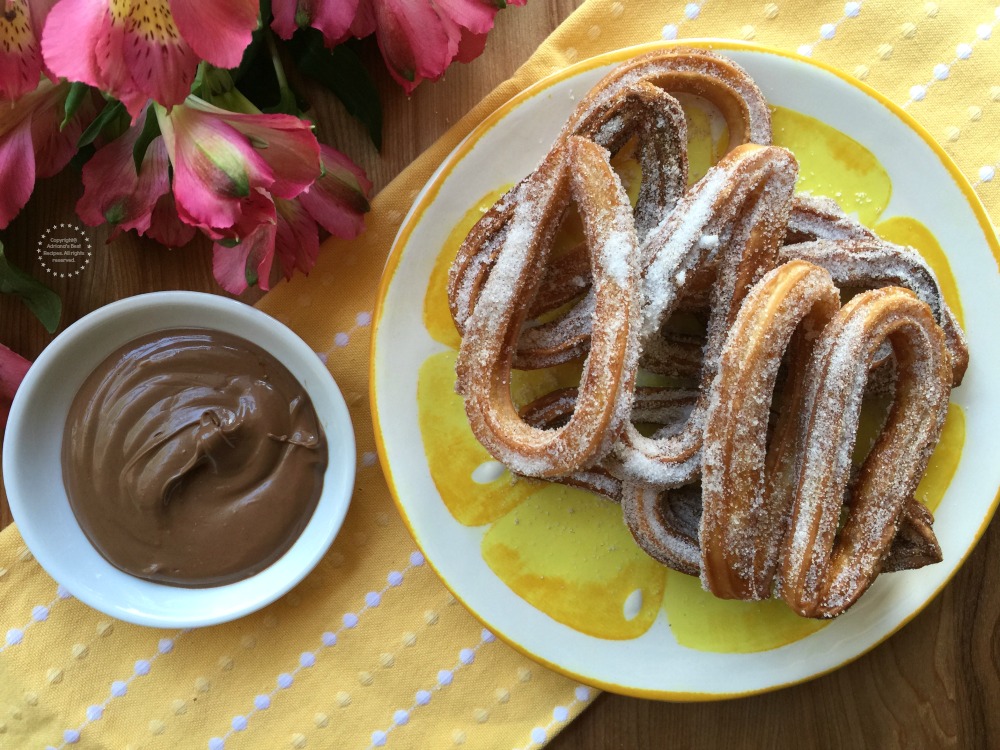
{"x":664,"y":523}
{"x":645,"y":112}
{"x":735,"y":218}
{"x":632,"y":100}
{"x":699,"y":72}
{"x":665,"y":407}
{"x":579,"y":171}
{"x":814,"y":218}
{"x":872,"y":263}
{"x":749,"y":482}
{"x":826,"y":568}
{"x":746,"y":484}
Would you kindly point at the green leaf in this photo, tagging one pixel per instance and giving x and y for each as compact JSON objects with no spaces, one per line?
{"x":108,"y":115}
{"x":41,"y":300}
{"x":340,"y":70}
{"x":77,"y":92}
{"x":150,"y":129}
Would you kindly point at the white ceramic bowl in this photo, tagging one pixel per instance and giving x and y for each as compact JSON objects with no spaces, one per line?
{"x":33,"y":475}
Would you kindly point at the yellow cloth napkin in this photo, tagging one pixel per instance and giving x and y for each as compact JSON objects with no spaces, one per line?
{"x":371,"y":648}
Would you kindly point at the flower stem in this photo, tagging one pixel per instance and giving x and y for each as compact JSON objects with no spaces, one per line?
{"x":279,"y":69}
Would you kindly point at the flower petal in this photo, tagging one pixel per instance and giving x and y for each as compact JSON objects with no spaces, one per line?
{"x":287,"y":145}
{"x":229,"y":267}
{"x":471,"y":46}
{"x":283,"y":23}
{"x":417,"y":40}
{"x":109,"y":50}
{"x":115,"y":193}
{"x":217,"y":30}
{"x":153,"y":184}
{"x":56,"y":145}
{"x":332,"y":19}
{"x":17,"y":170}
{"x":364,"y":21}
{"x":13,"y":368}
{"x":297,"y":239}
{"x":165,"y":225}
{"x":20,"y":50}
{"x":39,"y":11}
{"x":260,"y":256}
{"x":70,"y":22}
{"x":161,"y":64}
{"x":109,"y":179}
{"x":12,"y":371}
{"x":255,"y":210}
{"x":339,"y":199}
{"x":246,"y":264}
{"x":475,"y":15}
{"x":214,"y":167}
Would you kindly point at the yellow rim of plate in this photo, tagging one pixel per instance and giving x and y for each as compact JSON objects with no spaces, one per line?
{"x":429,"y":194}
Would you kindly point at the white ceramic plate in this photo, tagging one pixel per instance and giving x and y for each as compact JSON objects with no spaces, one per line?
{"x":506,"y":147}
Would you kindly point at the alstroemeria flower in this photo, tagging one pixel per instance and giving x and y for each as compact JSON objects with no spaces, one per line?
{"x":31,"y":143}
{"x":12,"y":370}
{"x":419,"y":39}
{"x":337,"y":202}
{"x":21,"y":23}
{"x":221,"y":159}
{"x":249,"y":262}
{"x":145,"y":49}
{"x":114,"y":192}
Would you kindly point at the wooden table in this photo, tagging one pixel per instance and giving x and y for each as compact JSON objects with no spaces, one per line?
{"x":934,"y":684}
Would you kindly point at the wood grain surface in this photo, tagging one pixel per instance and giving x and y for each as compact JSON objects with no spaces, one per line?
{"x":935,"y":684}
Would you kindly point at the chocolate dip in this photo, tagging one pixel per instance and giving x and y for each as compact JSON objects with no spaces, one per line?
{"x":192,"y":457}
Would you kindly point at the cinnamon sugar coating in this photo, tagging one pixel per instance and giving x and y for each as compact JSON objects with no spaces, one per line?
{"x":745,"y":479}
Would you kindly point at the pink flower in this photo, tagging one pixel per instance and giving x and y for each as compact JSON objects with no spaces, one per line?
{"x":21,"y":23}
{"x":145,"y":49}
{"x":228,"y":169}
{"x":249,"y":262}
{"x":419,"y":39}
{"x":260,"y":185}
{"x":336,"y":202}
{"x":32,"y":144}
{"x":222,"y":161}
{"x":114,"y":192}
{"x":12,"y":370}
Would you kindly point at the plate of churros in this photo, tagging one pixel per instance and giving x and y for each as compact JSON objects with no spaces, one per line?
{"x":681,"y":374}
